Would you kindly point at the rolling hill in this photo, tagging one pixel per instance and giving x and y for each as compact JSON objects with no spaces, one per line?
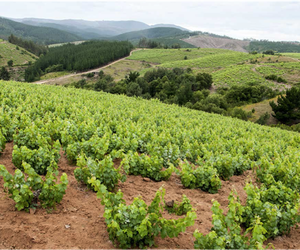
{"x":150,"y":33}
{"x":94,"y":29}
{"x":19,"y":56}
{"x":281,"y":47}
{"x":43,"y":35}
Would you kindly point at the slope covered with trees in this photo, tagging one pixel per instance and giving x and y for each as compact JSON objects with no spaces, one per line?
{"x":150,"y":33}
{"x":80,"y":57}
{"x":38,"y":34}
{"x":32,"y":47}
{"x":281,"y":47}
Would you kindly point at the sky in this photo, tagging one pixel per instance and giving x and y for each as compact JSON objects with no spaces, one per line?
{"x":271,"y":20}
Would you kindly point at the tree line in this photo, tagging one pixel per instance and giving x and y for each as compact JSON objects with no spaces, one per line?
{"x":31,"y":46}
{"x":280,"y":47}
{"x":182,"y":87}
{"x":80,"y":57}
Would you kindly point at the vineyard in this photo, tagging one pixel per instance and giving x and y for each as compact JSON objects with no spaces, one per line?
{"x":237,"y":75}
{"x":227,"y":67}
{"x":62,"y":145}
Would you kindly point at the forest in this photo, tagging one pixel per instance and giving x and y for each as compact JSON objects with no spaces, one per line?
{"x":280,"y":47}
{"x":31,"y":46}
{"x":80,"y":57}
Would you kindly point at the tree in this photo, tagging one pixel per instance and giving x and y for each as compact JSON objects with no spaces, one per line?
{"x":134,"y":89}
{"x":133,"y":75}
{"x":287,"y":108}
{"x":269,"y":52}
{"x":4,"y":75}
{"x":10,"y":63}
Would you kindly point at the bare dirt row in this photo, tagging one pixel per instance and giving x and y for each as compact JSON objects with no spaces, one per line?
{"x":78,"y":222}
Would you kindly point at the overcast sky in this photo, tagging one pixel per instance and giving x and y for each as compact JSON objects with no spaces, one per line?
{"x":272,"y":20}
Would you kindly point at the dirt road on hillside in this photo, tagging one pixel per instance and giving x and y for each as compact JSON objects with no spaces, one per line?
{"x":82,"y":73}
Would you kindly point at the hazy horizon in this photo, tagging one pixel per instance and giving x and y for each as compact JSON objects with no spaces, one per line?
{"x":270,"y":20}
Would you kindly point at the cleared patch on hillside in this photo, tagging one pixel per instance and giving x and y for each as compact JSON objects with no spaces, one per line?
{"x":19,"y":56}
{"x":260,"y":109}
{"x":203,"y":41}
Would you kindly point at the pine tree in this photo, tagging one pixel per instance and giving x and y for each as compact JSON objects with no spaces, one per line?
{"x":4,"y":74}
{"x":287,"y":108}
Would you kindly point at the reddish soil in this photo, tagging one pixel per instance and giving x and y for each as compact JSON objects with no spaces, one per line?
{"x":78,"y":223}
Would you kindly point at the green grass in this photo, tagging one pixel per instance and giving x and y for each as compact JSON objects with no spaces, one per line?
{"x":8,"y":52}
{"x":122,"y":68}
{"x":292,"y":55}
{"x":170,"y":55}
{"x":54,"y":75}
{"x":213,"y":61}
{"x":260,"y":109}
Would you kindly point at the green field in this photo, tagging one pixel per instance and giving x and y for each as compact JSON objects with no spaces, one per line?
{"x":293,"y":55}
{"x":237,"y":75}
{"x":8,"y":52}
{"x":216,"y":60}
{"x":54,"y":75}
{"x":170,"y":55}
{"x":227,"y":67}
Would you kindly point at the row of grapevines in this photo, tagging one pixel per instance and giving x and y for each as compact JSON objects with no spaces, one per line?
{"x":30,"y":189}
{"x":82,"y":120}
{"x":227,"y":232}
{"x":138,"y":224}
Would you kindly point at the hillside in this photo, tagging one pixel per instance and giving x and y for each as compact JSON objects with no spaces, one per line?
{"x":281,"y":47}
{"x":19,"y":56}
{"x":144,"y":145}
{"x":150,"y":33}
{"x":208,"y":41}
{"x":43,"y":35}
{"x":227,"y":67}
{"x":94,"y":29}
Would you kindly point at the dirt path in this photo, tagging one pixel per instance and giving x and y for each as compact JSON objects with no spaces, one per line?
{"x":82,"y":73}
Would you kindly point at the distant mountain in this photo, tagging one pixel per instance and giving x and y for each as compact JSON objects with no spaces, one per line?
{"x":94,"y":29}
{"x":43,"y":35}
{"x":150,"y":33}
{"x":168,"y":26}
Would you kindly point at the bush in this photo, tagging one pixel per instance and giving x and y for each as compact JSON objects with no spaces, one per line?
{"x":137,"y":225}
{"x":204,"y":177}
{"x":28,"y":190}
{"x":240,"y":114}
{"x":151,"y":167}
{"x":271,"y":77}
{"x":262,"y":120}
{"x":281,"y":80}
{"x":103,"y":171}
{"x":227,"y":233}
{"x":275,"y":204}
{"x":10,"y":63}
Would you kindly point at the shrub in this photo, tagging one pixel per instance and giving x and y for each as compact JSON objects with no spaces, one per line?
{"x":28,"y":190}
{"x":103,"y":171}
